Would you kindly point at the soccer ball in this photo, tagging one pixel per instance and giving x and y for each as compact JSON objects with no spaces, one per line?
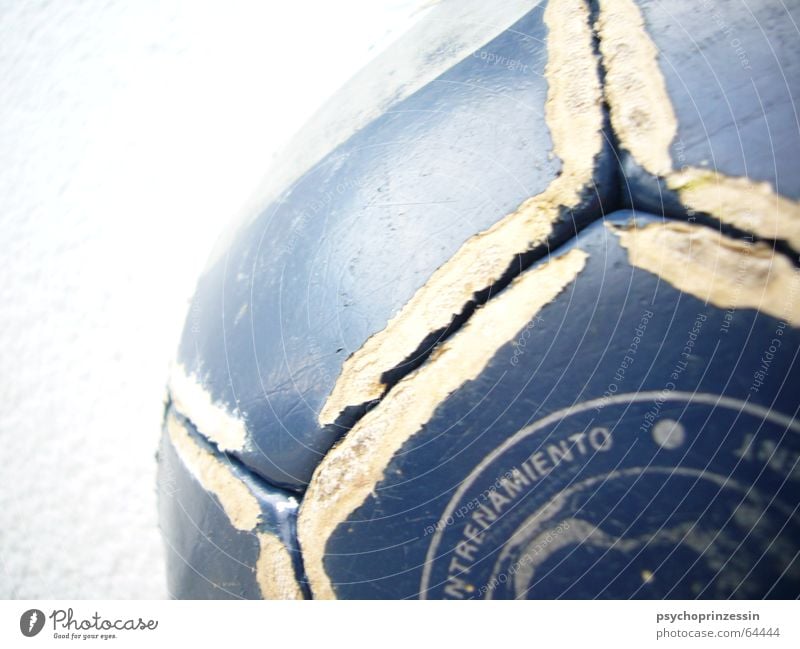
{"x":515,"y":317}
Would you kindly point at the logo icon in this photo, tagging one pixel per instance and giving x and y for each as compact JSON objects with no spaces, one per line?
{"x":651,"y":486}
{"x":31,"y":622}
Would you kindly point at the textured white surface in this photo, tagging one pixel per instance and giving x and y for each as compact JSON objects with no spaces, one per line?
{"x":129,"y":134}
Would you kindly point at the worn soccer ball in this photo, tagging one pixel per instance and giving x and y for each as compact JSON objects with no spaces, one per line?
{"x":516,"y":317}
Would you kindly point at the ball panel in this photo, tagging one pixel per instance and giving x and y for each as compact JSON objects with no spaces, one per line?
{"x":700,"y":136}
{"x":227,"y":535}
{"x":629,"y":421}
{"x":733,"y":76}
{"x":334,"y":258}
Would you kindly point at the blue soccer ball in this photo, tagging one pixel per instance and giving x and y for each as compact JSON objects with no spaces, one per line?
{"x":515,"y":317}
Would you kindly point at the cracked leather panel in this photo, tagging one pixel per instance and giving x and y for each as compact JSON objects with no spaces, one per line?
{"x":614,"y":445}
{"x":702,"y":106}
{"x":228,"y":535}
{"x":338,"y":254}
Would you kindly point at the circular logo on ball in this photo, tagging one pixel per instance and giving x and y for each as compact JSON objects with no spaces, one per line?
{"x":647,"y":495}
{"x":31,"y":622}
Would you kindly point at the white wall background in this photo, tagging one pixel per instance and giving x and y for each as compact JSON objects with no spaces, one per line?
{"x":130,"y":132}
